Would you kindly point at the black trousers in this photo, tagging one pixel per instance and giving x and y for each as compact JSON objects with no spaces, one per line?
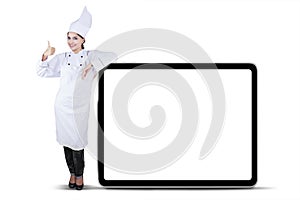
{"x":75,"y":161}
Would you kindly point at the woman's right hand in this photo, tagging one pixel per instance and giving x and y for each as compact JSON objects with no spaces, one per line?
{"x":49,"y":51}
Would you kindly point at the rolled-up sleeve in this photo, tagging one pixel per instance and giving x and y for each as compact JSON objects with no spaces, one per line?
{"x":50,"y":68}
{"x":100,"y":59}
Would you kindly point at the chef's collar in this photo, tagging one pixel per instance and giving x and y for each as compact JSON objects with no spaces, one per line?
{"x":79,"y":53}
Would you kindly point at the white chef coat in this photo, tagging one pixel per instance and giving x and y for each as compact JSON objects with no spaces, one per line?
{"x":73,"y":98}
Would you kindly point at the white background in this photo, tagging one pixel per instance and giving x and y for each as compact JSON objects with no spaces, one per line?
{"x":231,"y":157}
{"x":266,"y":33}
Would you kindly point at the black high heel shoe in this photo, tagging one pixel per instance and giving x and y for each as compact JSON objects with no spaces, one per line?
{"x":72,"y":185}
{"x":79,"y":187}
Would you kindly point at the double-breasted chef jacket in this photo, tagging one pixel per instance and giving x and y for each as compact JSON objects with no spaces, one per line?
{"x":72,"y":102}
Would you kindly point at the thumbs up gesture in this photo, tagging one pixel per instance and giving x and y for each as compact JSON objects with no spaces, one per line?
{"x":49,"y":51}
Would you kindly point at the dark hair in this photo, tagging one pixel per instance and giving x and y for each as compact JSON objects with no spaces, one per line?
{"x":82,"y":46}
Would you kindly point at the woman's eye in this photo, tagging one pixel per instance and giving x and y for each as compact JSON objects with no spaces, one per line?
{"x":75,"y":38}
{"x":69,"y":38}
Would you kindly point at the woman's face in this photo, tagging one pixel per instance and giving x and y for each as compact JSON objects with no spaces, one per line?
{"x":75,"y":42}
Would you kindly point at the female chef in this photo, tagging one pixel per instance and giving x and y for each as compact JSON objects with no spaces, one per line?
{"x":76,"y":70}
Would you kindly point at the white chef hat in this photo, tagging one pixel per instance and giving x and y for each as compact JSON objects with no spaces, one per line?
{"x":83,"y":24}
